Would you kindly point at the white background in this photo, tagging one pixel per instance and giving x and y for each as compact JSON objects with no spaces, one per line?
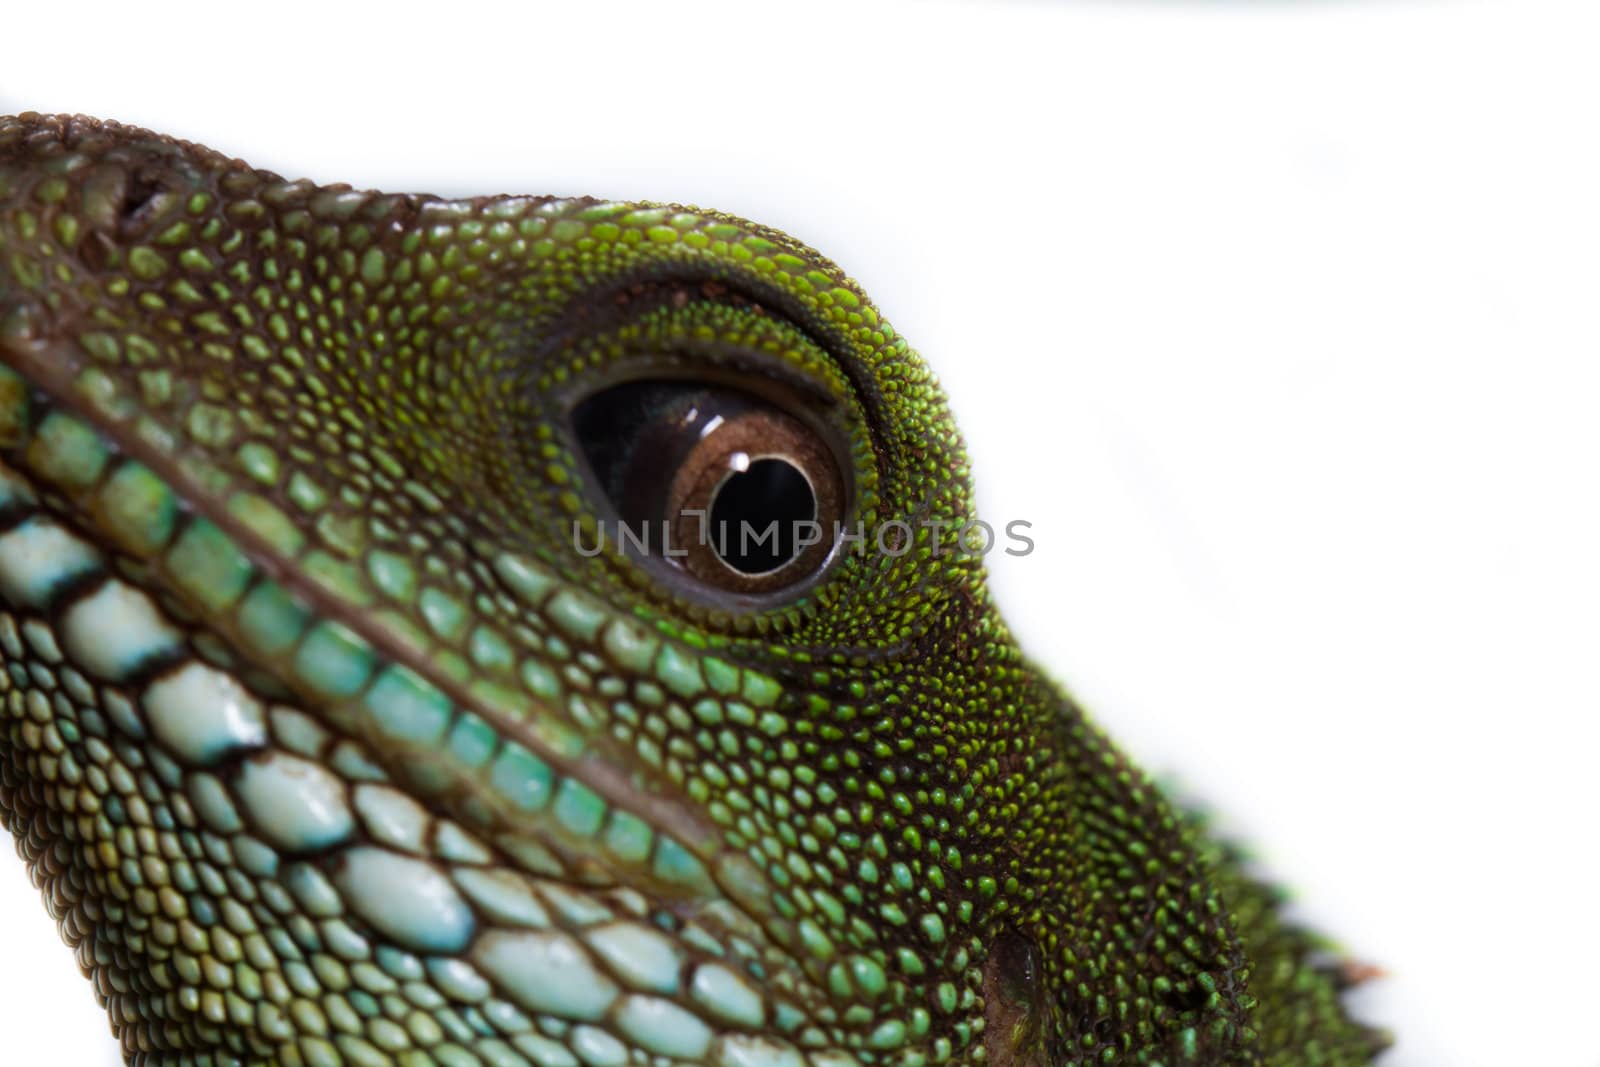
{"x":1278,"y":321}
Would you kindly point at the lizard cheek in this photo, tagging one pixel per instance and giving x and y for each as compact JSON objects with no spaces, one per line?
{"x":718,"y":487}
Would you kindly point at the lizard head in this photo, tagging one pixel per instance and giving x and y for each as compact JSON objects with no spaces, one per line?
{"x":565,"y":614}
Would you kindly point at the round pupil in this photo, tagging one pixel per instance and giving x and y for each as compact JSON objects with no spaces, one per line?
{"x":757,"y":514}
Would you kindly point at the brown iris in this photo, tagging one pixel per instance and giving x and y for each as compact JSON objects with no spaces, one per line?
{"x":733,"y":490}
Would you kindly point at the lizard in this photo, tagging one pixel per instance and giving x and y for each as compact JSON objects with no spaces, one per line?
{"x":334,"y":732}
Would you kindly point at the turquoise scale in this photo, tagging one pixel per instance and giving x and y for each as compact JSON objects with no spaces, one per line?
{"x":430,"y":916}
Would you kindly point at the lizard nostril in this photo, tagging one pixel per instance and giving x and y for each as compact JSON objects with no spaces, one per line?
{"x":138,"y":197}
{"x":121,"y":200}
{"x":147,"y":194}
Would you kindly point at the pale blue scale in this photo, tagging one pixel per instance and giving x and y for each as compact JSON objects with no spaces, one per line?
{"x":77,"y":687}
{"x":203,"y":715}
{"x":298,"y":732}
{"x":660,"y":1026}
{"x":451,"y":842}
{"x":545,"y":971}
{"x":398,"y":964}
{"x":353,"y":764}
{"x":597,"y":1048}
{"x":502,"y":896}
{"x":531,"y":856}
{"x":295,"y":803}
{"x":749,"y":1050}
{"x":458,"y":980}
{"x":723,"y":993}
{"x":642,"y":957}
{"x":375,"y":976}
{"x":313,"y":890}
{"x":124,"y":716}
{"x":577,"y":909}
{"x":342,"y":940}
{"x":839,"y":1058}
{"x":505,"y":1017}
{"x":37,"y":557}
{"x":392,"y":818}
{"x":111,"y":632}
{"x":254,"y":857}
{"x":214,"y":804}
{"x":409,"y":901}
{"x":42,"y":640}
{"x":544,"y":1052}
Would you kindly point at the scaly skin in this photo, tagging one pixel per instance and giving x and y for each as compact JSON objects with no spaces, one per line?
{"x":327,"y":744}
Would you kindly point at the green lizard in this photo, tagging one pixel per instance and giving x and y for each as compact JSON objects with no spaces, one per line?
{"x":335,"y":733}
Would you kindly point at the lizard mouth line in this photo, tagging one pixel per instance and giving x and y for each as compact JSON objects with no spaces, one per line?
{"x":43,"y":369}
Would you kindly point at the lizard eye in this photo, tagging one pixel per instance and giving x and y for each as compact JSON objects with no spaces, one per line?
{"x":738,"y":493}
